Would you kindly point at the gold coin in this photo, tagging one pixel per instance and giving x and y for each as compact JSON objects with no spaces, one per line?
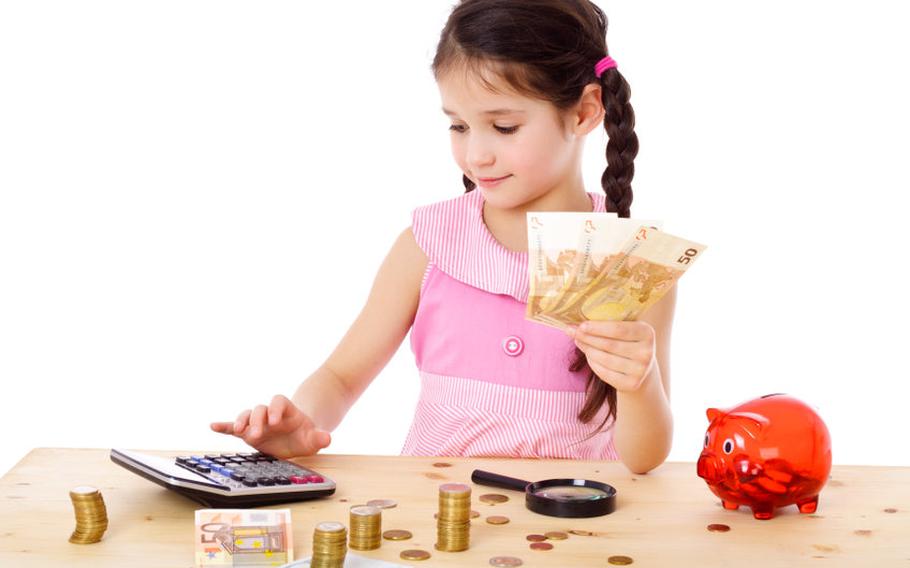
{"x":414,"y":554}
{"x":493,"y":498}
{"x":474,"y":514}
{"x":541,"y":546}
{"x":396,"y":534}
{"x":718,"y":527}
{"x":536,"y":537}
{"x":620,"y":560}
{"x":556,"y":535}
{"x":505,"y":561}
{"x":497,"y":520}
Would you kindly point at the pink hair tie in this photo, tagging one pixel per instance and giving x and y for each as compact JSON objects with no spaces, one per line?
{"x":604,"y":64}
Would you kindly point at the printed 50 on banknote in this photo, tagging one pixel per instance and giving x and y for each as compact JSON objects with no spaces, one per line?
{"x":617,"y":269}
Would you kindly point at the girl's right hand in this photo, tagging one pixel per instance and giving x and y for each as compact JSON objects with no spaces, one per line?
{"x":279,"y":429}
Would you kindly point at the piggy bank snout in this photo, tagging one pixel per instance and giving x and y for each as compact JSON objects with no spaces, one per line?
{"x":708,"y":467}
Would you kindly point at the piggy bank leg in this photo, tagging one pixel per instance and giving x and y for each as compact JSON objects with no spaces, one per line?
{"x":808,"y":505}
{"x":729,"y":505}
{"x":762,"y":511}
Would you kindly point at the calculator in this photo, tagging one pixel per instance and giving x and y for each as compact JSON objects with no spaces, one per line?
{"x":237,"y":480}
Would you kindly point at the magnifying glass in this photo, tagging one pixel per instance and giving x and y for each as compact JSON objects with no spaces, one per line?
{"x":557,"y":497}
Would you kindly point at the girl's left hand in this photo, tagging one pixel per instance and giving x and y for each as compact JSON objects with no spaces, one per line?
{"x":621,"y":353}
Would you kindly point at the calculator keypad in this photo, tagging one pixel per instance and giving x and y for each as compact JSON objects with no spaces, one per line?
{"x":248,"y":470}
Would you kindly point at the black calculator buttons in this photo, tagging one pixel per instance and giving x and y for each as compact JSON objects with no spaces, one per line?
{"x":203,"y":468}
{"x":250,"y":482}
{"x":281,"y":480}
{"x":265,"y":481}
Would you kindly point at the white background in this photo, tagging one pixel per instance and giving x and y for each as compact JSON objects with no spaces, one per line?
{"x":195,"y":197}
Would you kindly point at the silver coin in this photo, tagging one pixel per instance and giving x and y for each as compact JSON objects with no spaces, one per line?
{"x":504,"y":561}
{"x":382,"y":503}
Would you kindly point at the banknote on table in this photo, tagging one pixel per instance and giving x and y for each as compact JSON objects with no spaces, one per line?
{"x":243,"y":537}
{"x":648,"y":265}
{"x":552,"y":250}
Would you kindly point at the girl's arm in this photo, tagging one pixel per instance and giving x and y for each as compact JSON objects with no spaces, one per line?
{"x":373,"y":338}
{"x":634,"y":357}
{"x":301,"y":427}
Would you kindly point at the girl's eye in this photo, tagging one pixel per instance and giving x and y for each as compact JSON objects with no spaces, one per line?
{"x":706,"y":440}
{"x":502,"y":129}
{"x":728,"y":446}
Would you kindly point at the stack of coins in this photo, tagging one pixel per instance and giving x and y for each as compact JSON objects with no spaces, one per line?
{"x":366,"y":528}
{"x":329,"y":545}
{"x":91,"y":515}
{"x":453,"y":524}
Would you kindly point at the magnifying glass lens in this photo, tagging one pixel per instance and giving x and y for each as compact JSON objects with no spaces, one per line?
{"x":571,"y":493}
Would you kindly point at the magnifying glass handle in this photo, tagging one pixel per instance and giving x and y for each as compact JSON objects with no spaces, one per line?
{"x":495,"y":480}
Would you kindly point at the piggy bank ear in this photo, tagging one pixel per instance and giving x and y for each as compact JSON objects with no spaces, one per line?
{"x":752,"y":423}
{"x":713,"y":414}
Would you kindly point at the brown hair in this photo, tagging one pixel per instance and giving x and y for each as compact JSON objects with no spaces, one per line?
{"x":547,"y":50}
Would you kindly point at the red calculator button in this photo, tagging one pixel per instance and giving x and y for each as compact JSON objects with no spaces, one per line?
{"x":315,"y":479}
{"x":298,"y":480}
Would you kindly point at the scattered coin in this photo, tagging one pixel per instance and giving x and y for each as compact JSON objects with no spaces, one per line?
{"x":718,"y":527}
{"x":541,"y":546}
{"x":620,"y":560}
{"x":382,"y":503}
{"x":414,"y":554}
{"x":890,"y":510}
{"x":497,"y":520}
{"x":505,"y":561}
{"x":396,"y":534}
{"x":581,"y":533}
{"x":493,"y":498}
{"x":442,"y":464}
{"x":556,"y":535}
{"x":536,"y":537}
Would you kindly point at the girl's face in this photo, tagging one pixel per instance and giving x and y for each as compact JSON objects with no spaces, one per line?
{"x":528,"y":142}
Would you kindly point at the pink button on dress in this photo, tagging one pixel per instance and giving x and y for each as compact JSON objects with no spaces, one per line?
{"x":492,"y":382}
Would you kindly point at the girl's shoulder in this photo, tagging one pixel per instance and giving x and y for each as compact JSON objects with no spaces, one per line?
{"x":455,"y":239}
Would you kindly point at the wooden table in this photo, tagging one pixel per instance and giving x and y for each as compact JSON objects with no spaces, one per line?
{"x":661,"y":518}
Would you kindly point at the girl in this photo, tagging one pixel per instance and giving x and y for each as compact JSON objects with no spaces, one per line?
{"x":524,"y":82}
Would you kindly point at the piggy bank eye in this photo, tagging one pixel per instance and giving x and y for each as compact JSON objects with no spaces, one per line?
{"x":728,"y":446}
{"x":706,"y":440}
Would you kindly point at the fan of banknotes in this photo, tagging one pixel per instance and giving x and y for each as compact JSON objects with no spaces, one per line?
{"x":597,"y":266}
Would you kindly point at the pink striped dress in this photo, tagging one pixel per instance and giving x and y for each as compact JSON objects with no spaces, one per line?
{"x":492,"y":382}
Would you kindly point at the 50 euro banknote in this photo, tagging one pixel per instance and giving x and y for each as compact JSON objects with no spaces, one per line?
{"x":627,"y":282}
{"x":243,"y":537}
{"x":553,"y":239}
{"x":601,"y":239}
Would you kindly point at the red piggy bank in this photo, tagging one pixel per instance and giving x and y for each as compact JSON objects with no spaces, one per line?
{"x":768,"y":452}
